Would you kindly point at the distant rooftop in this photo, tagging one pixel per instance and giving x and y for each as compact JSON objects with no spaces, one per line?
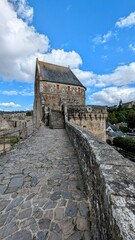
{"x":58,"y":74}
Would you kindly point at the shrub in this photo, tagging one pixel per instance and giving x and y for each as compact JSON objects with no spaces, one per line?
{"x":13,"y":140}
{"x":124,"y":129}
{"x":109,"y":141}
{"x":125,"y":143}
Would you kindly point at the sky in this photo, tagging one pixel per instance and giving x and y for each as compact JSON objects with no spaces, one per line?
{"x":95,"y":38}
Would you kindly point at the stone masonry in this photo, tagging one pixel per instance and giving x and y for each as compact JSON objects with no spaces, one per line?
{"x":110,"y":185}
{"x":41,"y":190}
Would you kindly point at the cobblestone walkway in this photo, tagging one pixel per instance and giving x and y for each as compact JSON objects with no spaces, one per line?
{"x":41,"y":190}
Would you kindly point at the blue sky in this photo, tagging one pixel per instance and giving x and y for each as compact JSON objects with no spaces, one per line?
{"x":95,"y":38}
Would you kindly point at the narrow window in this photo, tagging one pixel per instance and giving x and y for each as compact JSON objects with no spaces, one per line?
{"x":79,"y":90}
{"x":68,"y":88}
{"x":58,"y":87}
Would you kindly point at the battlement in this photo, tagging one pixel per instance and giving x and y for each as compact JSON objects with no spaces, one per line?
{"x":86,"y":109}
{"x":92,"y":118}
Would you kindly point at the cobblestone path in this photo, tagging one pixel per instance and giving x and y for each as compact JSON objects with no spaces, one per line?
{"x":41,"y":190}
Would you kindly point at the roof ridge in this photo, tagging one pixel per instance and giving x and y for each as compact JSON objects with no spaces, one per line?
{"x":56,"y":73}
{"x":47,"y":63}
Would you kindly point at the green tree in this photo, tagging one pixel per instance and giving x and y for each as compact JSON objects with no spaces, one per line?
{"x":120,"y":104}
{"x":125,"y":143}
{"x":112,"y":117}
{"x":123,"y":129}
{"x":131,"y":119}
{"x":29,"y":113}
{"x":121,"y":117}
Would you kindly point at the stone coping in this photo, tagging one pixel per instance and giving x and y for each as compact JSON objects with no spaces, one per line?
{"x":110,"y":182}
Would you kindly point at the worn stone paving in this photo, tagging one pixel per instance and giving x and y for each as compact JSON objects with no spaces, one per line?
{"x":41,"y":190}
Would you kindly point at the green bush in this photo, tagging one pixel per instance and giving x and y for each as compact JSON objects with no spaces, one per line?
{"x":13,"y":140}
{"x":29,"y":113}
{"x":125,"y":143}
{"x":109,"y":141}
{"x":9,"y":140}
{"x":124,"y":129}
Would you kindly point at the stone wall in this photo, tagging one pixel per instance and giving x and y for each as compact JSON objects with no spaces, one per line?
{"x":4,"y":124}
{"x":109,"y":180}
{"x":53,"y":95}
{"x":37,"y":107}
{"x":56,"y":119}
{"x":8,"y":122}
{"x":92,"y":119}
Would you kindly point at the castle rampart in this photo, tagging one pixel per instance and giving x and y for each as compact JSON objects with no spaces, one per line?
{"x":90,"y":118}
{"x":109,"y":180}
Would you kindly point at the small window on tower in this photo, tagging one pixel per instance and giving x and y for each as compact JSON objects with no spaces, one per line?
{"x":58,"y":87}
{"x":79,"y":90}
{"x":68,"y":88}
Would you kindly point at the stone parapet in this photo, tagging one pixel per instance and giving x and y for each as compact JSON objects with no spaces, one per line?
{"x":86,"y":115}
{"x":92,"y":118}
{"x":110,"y":185}
{"x":86,"y":109}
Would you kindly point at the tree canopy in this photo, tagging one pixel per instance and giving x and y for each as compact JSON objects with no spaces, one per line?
{"x":117,"y":115}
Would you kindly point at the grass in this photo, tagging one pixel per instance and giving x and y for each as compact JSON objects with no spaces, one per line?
{"x":9,"y":139}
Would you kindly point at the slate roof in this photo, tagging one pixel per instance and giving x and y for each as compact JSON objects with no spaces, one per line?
{"x":116,"y":134}
{"x":58,"y":74}
{"x":113,"y":127}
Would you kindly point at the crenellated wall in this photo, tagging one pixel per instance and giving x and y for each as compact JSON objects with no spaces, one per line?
{"x":110,"y":186}
{"x":91,"y":118}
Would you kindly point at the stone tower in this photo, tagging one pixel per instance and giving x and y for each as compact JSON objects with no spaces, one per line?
{"x":54,"y":86}
{"x":57,"y":89}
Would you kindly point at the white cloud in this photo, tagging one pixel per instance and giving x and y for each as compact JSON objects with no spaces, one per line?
{"x":23,"y":10}
{"x":21,"y":45}
{"x":101,"y":39}
{"x":61,"y":57}
{"x":9,"y":104}
{"x":132,"y":47}
{"x":112,"y":95}
{"x":120,"y":49}
{"x":128,"y":21}
{"x":104,"y":57}
{"x":9,"y":93}
{"x":86,"y":77}
{"x":122,"y":75}
{"x":25,"y":92}
{"x":18,"y":43}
